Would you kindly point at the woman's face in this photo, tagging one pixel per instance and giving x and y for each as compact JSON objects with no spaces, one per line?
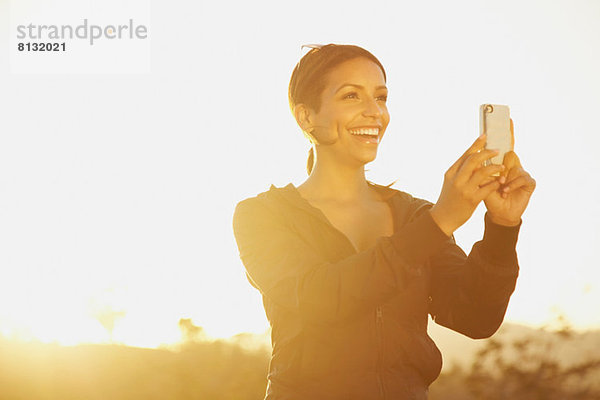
{"x":353,"y":111}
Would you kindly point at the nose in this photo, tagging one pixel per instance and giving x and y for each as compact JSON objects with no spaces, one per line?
{"x":372,"y":109}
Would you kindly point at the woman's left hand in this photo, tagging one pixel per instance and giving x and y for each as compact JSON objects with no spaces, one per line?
{"x":506,"y":205}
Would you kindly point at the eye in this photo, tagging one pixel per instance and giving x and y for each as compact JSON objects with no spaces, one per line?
{"x":383,"y":97}
{"x":351,"y":95}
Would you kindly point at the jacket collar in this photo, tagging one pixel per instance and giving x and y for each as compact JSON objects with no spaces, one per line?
{"x":291,"y":195}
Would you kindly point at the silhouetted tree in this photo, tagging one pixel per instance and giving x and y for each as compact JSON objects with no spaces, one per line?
{"x":107,"y":317}
{"x":526,"y":368}
{"x":191,"y":332}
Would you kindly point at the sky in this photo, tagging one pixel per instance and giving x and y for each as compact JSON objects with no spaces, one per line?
{"x":117,"y":190}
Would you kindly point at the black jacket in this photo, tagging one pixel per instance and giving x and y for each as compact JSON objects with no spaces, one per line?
{"x":348,"y":325}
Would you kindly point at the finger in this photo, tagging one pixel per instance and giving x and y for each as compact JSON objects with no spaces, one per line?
{"x":477,"y":145}
{"x":491,"y":180}
{"x":510,"y":161}
{"x":483,"y":192}
{"x":512,"y":134}
{"x":480,"y":177}
{"x":514,"y":172}
{"x":472,"y":163}
{"x":512,"y":128}
{"x":524,"y":181}
{"x":488,"y":180}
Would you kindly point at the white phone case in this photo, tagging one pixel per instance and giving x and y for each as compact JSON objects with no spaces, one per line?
{"x":494,"y":121}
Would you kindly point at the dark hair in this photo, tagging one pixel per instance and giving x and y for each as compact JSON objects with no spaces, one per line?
{"x":309,"y":77}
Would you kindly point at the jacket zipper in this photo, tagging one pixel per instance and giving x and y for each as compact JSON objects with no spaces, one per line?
{"x":379,"y":321}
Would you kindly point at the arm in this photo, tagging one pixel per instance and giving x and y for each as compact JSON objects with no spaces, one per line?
{"x":470,"y":294}
{"x":287,"y":270}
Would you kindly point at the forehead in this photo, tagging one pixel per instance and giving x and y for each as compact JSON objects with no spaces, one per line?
{"x":359,"y":71}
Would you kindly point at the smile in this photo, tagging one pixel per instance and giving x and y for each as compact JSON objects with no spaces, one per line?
{"x":367,"y":135}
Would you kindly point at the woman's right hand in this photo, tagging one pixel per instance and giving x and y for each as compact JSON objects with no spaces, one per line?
{"x":466,"y":184}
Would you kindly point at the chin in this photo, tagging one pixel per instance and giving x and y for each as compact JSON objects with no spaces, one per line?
{"x":367,"y":158}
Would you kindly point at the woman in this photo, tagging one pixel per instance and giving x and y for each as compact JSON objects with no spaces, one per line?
{"x":349,"y":270}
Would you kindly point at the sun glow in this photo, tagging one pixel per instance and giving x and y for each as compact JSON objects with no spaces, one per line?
{"x":117,"y":191}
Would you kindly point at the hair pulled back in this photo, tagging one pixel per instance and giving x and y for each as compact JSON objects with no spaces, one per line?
{"x":309,"y":77}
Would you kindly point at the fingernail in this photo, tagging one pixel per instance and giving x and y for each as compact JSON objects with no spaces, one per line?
{"x":505,"y":190}
{"x":502,"y":180}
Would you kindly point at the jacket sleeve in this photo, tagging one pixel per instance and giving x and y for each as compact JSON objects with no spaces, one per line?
{"x":285,"y":269}
{"x":470,"y":294}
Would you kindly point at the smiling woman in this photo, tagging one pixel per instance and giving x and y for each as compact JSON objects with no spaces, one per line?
{"x":349,"y":270}
{"x":310,"y":89}
{"x":352,"y":113}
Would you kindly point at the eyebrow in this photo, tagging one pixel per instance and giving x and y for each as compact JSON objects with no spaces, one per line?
{"x":358,"y":87}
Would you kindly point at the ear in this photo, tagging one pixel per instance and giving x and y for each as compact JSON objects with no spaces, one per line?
{"x":304,"y":118}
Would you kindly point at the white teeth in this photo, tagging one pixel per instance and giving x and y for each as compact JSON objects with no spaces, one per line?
{"x":365,"y":131}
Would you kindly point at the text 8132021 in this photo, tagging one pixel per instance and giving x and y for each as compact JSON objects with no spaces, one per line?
{"x":42,"y":46}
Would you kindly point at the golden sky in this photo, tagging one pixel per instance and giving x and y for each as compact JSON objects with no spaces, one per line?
{"x":117,"y":190}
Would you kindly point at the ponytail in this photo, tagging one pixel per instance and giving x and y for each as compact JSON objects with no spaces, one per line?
{"x":311,"y":161}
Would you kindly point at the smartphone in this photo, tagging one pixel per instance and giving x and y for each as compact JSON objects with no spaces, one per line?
{"x":494,"y":121}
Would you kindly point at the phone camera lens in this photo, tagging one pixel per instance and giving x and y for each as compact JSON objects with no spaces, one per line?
{"x":489,"y":108}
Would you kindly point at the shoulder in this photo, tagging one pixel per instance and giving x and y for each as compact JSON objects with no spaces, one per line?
{"x":269,"y":202}
{"x":249,"y":206}
{"x":250,"y":218}
{"x":268,"y":216}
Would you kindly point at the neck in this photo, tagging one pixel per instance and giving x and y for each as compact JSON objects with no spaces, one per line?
{"x":333,"y":180}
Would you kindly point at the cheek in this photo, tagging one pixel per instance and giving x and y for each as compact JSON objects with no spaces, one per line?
{"x":330,"y":118}
{"x":386,"y":118}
